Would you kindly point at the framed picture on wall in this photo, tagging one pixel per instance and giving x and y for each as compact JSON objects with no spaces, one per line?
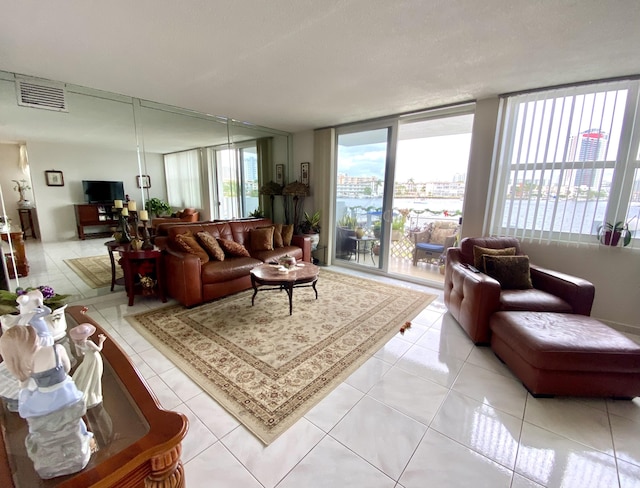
{"x":304,"y":173}
{"x":144,"y":181}
{"x":54,"y":178}
{"x":280,"y":174}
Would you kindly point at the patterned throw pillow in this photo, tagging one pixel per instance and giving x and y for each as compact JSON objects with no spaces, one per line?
{"x":261,"y":238}
{"x":189,"y":244}
{"x":277,"y":235}
{"x":287,"y":234}
{"x":232,"y":248}
{"x":478,"y":252}
{"x":511,"y":271}
{"x":211,"y":245}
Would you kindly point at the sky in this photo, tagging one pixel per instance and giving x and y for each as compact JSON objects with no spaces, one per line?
{"x":429,"y":159}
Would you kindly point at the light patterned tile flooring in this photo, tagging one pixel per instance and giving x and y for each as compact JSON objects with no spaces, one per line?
{"x":428,"y":409}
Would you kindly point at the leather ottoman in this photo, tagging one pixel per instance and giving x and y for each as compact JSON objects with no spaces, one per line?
{"x":566,"y":354}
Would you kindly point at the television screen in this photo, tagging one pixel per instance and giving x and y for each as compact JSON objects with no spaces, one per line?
{"x":102,"y":191}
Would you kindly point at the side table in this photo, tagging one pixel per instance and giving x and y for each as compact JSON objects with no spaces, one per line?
{"x":111,"y":247}
{"x":19,"y":255}
{"x":26,"y":222}
{"x":142,"y":264}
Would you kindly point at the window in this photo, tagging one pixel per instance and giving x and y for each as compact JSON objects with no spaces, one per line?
{"x":182,"y":171}
{"x":568,"y":162}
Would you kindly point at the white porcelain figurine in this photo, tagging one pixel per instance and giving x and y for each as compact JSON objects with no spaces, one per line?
{"x":88,"y":374}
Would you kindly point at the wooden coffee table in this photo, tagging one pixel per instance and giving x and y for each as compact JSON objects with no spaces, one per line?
{"x":270,"y":278}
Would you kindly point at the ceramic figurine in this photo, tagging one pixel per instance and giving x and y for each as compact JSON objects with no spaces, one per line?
{"x":58,"y":442}
{"x":88,"y":374}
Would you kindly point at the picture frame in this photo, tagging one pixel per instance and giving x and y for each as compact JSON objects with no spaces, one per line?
{"x":143,"y":181}
{"x":304,"y":173}
{"x":280,"y":174}
{"x":54,"y":178}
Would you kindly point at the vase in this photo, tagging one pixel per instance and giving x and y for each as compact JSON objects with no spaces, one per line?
{"x":315,"y":238}
{"x":24,"y":203}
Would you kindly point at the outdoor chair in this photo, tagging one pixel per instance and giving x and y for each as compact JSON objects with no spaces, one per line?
{"x":433,"y":242}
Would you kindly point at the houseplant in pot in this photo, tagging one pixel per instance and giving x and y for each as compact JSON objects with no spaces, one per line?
{"x":157,"y":207}
{"x":310,"y":226}
{"x":610,"y":234}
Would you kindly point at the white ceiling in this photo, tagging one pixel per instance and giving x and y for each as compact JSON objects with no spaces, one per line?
{"x":301,"y":64}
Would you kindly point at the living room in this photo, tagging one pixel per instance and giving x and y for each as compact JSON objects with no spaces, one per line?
{"x":309,"y":132}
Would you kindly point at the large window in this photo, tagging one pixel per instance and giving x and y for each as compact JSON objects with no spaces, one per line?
{"x":182,"y":170}
{"x":568,"y":162}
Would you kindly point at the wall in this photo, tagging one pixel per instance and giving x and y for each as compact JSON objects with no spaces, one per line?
{"x":9,"y":170}
{"x":615,"y":272}
{"x":77,"y":162}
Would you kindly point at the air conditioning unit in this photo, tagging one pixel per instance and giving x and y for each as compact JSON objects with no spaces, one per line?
{"x":41,"y":94}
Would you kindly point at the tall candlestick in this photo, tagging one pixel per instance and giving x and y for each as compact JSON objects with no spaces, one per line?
{"x":144,"y":215}
{"x":117,"y":203}
{"x":131,"y":205}
{"x":125,"y":211}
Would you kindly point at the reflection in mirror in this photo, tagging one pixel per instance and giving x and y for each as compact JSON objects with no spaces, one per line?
{"x":108,"y":137}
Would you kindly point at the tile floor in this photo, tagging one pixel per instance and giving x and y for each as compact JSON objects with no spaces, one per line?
{"x":428,"y":409}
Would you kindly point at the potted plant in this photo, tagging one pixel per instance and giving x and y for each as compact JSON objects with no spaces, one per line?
{"x":157,"y":207}
{"x":257,"y":213}
{"x":610,"y":234}
{"x":310,"y":226}
{"x":21,"y":187}
{"x":377,"y":228}
{"x":397,"y":227}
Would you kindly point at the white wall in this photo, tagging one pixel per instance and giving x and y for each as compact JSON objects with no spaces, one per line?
{"x":9,"y":170}
{"x":77,"y":162}
{"x":615,"y":272}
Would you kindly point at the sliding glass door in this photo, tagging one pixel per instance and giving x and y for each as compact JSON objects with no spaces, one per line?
{"x":361,"y":171}
{"x":399,"y":190}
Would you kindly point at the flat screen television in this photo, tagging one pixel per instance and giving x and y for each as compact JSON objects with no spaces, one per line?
{"x":102,"y":191}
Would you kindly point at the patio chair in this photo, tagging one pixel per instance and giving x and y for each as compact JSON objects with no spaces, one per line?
{"x":433,"y":242}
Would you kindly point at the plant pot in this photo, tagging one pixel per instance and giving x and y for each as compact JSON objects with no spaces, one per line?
{"x":610,"y":238}
{"x":315,"y":238}
{"x":396,"y":235}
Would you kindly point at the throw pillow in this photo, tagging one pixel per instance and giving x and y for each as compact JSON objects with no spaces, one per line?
{"x":211,"y":245}
{"x":189,"y":244}
{"x":287,"y":234}
{"x":277,"y":235}
{"x":511,"y":271}
{"x":232,"y":248}
{"x":261,"y":238}
{"x":478,"y":252}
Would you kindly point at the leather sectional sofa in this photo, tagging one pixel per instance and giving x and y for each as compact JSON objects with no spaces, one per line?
{"x":192,"y":280}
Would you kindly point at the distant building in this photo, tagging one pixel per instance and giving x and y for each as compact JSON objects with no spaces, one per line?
{"x":589,"y":145}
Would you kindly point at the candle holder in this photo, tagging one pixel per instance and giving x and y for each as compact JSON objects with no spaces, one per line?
{"x":125,"y":236}
{"x":146,"y":239}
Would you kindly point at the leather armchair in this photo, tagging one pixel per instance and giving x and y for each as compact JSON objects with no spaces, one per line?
{"x":473,"y":297}
{"x":187,"y":215}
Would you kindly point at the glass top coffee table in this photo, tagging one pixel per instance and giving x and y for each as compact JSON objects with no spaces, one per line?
{"x":139,"y":444}
{"x":270,"y":277}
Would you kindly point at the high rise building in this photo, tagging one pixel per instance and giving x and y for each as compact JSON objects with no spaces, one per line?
{"x":589,"y":145}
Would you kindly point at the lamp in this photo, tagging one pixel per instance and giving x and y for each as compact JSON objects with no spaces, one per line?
{"x":298,"y":191}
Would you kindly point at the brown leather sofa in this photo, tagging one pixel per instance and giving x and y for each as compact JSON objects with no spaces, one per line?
{"x":472,"y":297}
{"x":191,"y":281}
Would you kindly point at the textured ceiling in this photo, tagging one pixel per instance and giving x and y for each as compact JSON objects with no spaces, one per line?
{"x":296,"y":65}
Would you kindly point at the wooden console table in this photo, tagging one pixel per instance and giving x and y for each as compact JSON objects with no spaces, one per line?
{"x":19,"y":255}
{"x":139,"y":444}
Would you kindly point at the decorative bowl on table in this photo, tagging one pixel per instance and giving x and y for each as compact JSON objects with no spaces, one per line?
{"x":289,"y":262}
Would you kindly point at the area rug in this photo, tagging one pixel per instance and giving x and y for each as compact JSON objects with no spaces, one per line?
{"x":268,"y":368}
{"x":95,"y":271}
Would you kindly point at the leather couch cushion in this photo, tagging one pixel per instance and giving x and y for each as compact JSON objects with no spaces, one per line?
{"x":229,"y":269}
{"x":287,"y":234}
{"x":188,"y":243}
{"x":232,"y":248}
{"x":512,"y":272}
{"x":479,"y":252}
{"x":277,"y":236}
{"x":568,"y":342}
{"x":275,"y":254}
{"x":210,"y":244}
{"x":532,"y":299}
{"x":261,"y":238}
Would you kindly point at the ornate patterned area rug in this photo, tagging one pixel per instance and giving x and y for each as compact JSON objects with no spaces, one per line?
{"x":268,"y":368}
{"x":95,"y":271}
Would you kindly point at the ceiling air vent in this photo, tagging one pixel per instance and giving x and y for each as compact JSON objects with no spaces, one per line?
{"x":37,"y":94}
